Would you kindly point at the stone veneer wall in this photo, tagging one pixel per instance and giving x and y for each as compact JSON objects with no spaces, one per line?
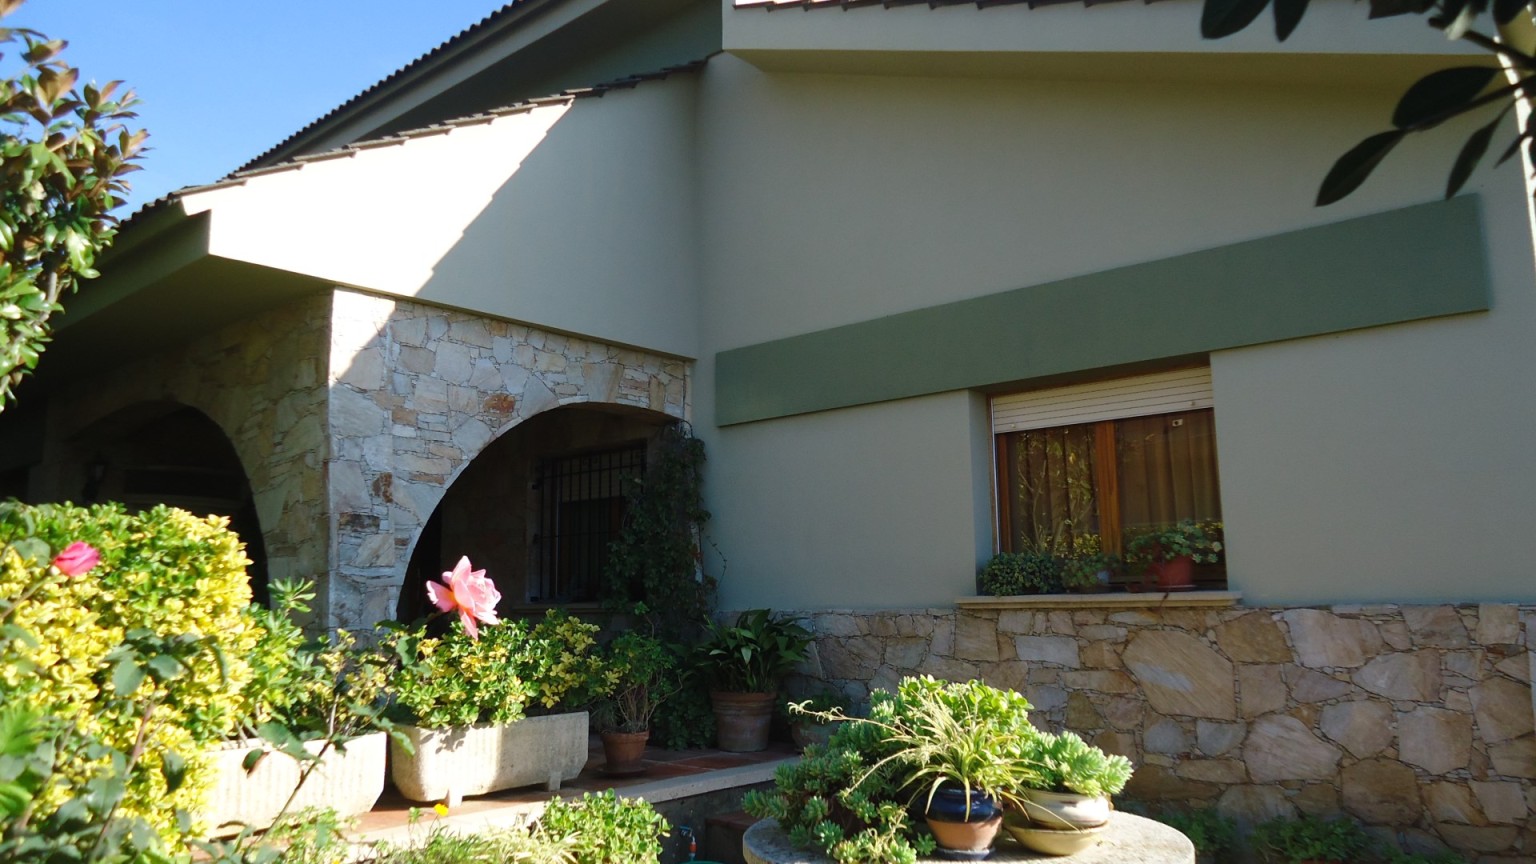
{"x":262,"y":381}
{"x":417,"y":392}
{"x":1417,"y":719}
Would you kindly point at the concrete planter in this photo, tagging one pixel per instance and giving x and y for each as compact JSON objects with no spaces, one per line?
{"x":473,"y":760}
{"x":349,"y":782}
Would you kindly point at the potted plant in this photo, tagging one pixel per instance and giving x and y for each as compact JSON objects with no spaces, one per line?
{"x":956,"y":753}
{"x":1170,"y":554}
{"x":1073,"y":783}
{"x":1089,"y":572}
{"x":313,"y":732}
{"x":641,"y":673}
{"x":1310,"y":839}
{"x":744,"y":664}
{"x":1028,"y":572}
{"x":463,"y":698}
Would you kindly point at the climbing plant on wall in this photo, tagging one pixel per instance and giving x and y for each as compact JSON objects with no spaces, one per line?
{"x":656,"y":559}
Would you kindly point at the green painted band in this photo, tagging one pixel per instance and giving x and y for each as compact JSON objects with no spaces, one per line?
{"x":1418,"y":262}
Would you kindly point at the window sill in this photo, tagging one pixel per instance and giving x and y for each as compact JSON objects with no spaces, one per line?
{"x":1111,"y":600}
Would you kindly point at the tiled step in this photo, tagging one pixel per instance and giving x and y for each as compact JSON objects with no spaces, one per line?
{"x":722,"y":836}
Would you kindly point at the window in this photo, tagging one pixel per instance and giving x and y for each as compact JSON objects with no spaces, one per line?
{"x":1088,"y":468}
{"x":580,"y":510}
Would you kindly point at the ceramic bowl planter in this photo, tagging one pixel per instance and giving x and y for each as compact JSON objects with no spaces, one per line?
{"x":473,"y":760}
{"x":1068,"y":810}
{"x":963,"y":826}
{"x":1050,"y":841}
{"x":348,"y":782}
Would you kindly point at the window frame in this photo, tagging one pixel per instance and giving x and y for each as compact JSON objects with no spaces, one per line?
{"x":1098,"y":403}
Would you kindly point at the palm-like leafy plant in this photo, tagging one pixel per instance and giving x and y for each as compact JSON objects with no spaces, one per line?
{"x":932,"y":733}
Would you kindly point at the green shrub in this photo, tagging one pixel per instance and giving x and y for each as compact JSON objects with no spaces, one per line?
{"x":686,"y":721}
{"x":1310,"y":838}
{"x":159,"y":625}
{"x":1213,"y":834}
{"x":531,"y":845}
{"x":606,"y":829}
{"x":456,"y":680}
{"x":1011,"y":573}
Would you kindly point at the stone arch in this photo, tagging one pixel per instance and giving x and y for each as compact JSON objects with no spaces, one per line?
{"x":537,"y":507}
{"x":164,"y":452}
{"x":262,"y":381}
{"x":418,"y":393}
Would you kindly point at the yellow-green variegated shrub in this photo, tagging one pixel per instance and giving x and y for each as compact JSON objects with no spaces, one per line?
{"x":163,"y":575}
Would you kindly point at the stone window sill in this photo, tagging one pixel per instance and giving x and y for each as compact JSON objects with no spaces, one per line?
{"x":1112,"y":600}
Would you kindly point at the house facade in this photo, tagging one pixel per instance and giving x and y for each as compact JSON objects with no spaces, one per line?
{"x":889,"y":263}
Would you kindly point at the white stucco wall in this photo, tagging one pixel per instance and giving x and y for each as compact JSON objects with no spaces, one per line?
{"x":1392,"y":463}
{"x":1379,"y":463}
{"x":576,"y":216}
{"x":805,"y":508}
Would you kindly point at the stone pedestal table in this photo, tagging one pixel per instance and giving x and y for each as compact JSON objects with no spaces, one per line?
{"x":1127,"y":839}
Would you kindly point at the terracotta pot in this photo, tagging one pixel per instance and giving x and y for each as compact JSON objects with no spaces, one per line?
{"x":625,"y":751}
{"x":965,"y":841}
{"x":963,"y":827}
{"x":742,"y":720}
{"x":1177,"y":574}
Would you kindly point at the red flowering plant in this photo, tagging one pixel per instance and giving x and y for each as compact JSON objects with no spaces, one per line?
{"x":483,"y":669}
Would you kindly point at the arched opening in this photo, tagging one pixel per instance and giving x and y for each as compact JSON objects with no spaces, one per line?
{"x":167,"y":453}
{"x":537,"y":509}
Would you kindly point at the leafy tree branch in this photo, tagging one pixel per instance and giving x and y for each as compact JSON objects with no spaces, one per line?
{"x":64,"y":150}
{"x":1432,"y":100}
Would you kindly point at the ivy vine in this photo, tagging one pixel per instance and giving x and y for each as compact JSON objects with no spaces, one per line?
{"x":656,"y":559}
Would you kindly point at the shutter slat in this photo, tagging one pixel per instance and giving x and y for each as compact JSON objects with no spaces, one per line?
{"x":1141,"y":396}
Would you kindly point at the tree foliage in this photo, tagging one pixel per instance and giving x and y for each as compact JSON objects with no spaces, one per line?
{"x":64,"y":150}
{"x":1442,"y":95}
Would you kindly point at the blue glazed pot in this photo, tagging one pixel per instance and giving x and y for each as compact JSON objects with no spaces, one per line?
{"x":949,"y":805}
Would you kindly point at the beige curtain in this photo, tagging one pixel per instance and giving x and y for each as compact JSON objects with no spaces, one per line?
{"x":1167,"y":470}
{"x":1051,"y":487}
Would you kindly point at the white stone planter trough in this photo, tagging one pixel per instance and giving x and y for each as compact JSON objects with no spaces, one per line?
{"x":349,"y":782}
{"x":473,"y":760}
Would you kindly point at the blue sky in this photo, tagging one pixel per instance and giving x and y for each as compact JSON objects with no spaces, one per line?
{"x":221,"y":81}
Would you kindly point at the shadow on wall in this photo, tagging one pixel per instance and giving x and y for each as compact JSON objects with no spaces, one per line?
{"x":168,"y":453}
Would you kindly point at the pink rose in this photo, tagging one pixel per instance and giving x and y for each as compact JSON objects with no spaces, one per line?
{"x":474,"y":596}
{"x":77,"y":559}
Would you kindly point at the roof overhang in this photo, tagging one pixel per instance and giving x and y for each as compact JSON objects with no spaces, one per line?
{"x":1110,"y":41}
{"x":159,"y":286}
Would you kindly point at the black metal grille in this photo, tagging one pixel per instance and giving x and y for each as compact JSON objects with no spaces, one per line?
{"x":581,"y":508}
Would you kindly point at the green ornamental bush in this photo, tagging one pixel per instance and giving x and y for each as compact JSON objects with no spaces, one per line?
{"x":1030,"y":572}
{"x":157,"y":629}
{"x":459,"y":680}
{"x":605,"y":828}
{"x":1310,"y":838}
{"x":1213,"y":834}
{"x":754,"y":654}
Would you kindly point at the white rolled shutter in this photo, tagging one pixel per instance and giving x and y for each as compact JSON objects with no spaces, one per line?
{"x":1140,"y":396}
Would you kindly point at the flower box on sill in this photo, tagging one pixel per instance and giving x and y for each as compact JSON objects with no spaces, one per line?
{"x":348,"y":781}
{"x":473,"y":760}
{"x":1107,"y":600}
